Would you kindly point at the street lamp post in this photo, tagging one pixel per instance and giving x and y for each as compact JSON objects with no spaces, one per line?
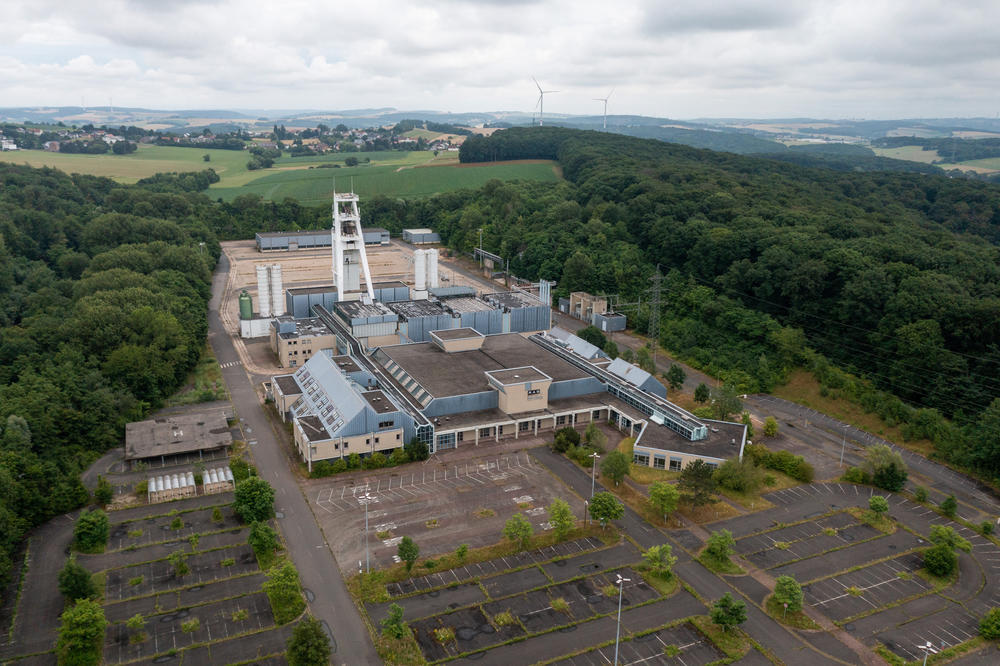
{"x":593,"y":472}
{"x":367,"y":498}
{"x":843,"y":443}
{"x":621,"y":586}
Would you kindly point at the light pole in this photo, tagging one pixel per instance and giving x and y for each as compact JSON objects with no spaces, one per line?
{"x":593,"y":472}
{"x":928,"y":649}
{"x":843,"y":443}
{"x":621,"y":586}
{"x":366,"y":498}
{"x":586,"y":512}
{"x":480,"y":248}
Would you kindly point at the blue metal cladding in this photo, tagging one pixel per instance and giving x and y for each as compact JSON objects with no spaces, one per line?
{"x":459,"y":404}
{"x":575,"y":387}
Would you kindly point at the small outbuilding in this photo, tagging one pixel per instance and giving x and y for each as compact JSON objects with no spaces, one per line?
{"x":177,"y":438}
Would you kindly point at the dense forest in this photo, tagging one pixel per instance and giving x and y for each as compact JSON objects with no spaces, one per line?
{"x":103,"y":292}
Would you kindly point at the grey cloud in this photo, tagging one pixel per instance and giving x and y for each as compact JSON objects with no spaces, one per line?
{"x":721,"y":15}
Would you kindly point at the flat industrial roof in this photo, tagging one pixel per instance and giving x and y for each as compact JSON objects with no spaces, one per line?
{"x":345,"y":363}
{"x":413,"y":309}
{"x":279,"y":234}
{"x":445,"y":374}
{"x":466,"y":304}
{"x":518,"y":375}
{"x":288,"y":385}
{"x":514,"y":299}
{"x":181,"y":433}
{"x":319,"y":289}
{"x":379,"y":402}
{"x":719,"y":443}
{"x":306,"y":328}
{"x":419,"y":231}
{"x":388,"y":283}
{"x":457,"y":333}
{"x":361,"y":309}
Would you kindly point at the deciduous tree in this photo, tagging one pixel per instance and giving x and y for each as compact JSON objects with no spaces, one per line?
{"x":561,"y":518}
{"x":254,"y":500}
{"x":663,"y":497}
{"x":408,"y":551}
{"x":518,"y":530}
{"x":308,"y":645}
{"x":604,"y":507}
{"x":615,"y":466}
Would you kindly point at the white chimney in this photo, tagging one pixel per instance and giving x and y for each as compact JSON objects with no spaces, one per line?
{"x":277,"y":292}
{"x":263,"y":291}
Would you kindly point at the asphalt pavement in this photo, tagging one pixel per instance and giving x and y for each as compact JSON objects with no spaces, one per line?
{"x":329,"y":600}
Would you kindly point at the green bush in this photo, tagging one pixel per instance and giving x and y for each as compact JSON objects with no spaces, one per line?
{"x":989,"y":626}
{"x":376,"y":460}
{"x":354,"y":461}
{"x":242,"y":470}
{"x":284,"y":593}
{"x":940,"y":560}
{"x":741,"y":476}
{"x":254,"y":500}
{"x":920,"y":494}
{"x":857,"y":475}
{"x":81,"y":634}
{"x":949,"y":506}
{"x":90,"y":534}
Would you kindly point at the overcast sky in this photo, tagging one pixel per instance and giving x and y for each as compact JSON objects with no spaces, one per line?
{"x":672,"y":58}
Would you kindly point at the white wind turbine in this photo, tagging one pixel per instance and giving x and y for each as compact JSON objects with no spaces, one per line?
{"x":605,"y":100}
{"x":541,"y":101}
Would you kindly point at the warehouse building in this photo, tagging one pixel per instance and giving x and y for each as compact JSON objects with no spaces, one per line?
{"x":300,"y":300}
{"x":271,"y":241}
{"x":178,"y":438}
{"x":420,"y":236}
{"x":464,"y":388}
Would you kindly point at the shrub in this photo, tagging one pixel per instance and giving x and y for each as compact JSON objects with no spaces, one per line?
{"x":321,"y":468}
{"x":228,"y":562}
{"x":376,"y":460}
{"x":254,"y":500}
{"x":986,"y":528}
{"x":81,"y":634}
{"x":137,"y":580}
{"x":615,"y":466}
{"x":856,"y":475}
{"x":788,"y":591}
{"x":103,"y":493}
{"x":559,"y":604}
{"x":75,"y":582}
{"x":141,"y":489}
{"x":878,"y":505}
{"x":393,"y":625}
{"x":741,"y":476}
{"x":444,"y":635}
{"x":177,"y":523}
{"x":720,"y":545}
{"x":989,"y":626}
{"x":242,"y":470}
{"x":949,"y":506}
{"x":308,"y":645}
{"x":90,"y":534}
{"x":178,"y":560}
{"x":284,"y":592}
{"x":518,"y":530}
{"x":920,"y":494}
{"x":354,"y":461}
{"x":240,"y":615}
{"x":191,"y":626}
{"x":770,"y":427}
{"x":940,"y":560}
{"x":408,"y":551}
{"x":217,"y":515}
{"x":504,"y":619}
{"x":885,"y":467}
{"x":399,"y":457}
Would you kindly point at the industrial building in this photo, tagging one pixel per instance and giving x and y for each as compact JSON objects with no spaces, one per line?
{"x":294,"y":341}
{"x":176,"y":438}
{"x":272,"y":241}
{"x":270,"y":302}
{"x":465,"y":388}
{"x":420,"y":236}
{"x":593,"y":310}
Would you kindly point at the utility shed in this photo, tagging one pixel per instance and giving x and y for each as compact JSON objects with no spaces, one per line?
{"x":375,"y":235}
{"x":292,"y":240}
{"x":175,"y":436}
{"x":420,"y":236}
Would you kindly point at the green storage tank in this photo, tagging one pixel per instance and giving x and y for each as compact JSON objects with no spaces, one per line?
{"x":246,"y":305}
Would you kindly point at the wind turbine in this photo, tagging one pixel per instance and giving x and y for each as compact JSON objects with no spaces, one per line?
{"x":541,"y":101}
{"x":605,"y":100}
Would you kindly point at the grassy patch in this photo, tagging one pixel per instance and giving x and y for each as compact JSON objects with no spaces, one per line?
{"x":796,"y":619}
{"x":484,"y":513}
{"x":719,"y":566}
{"x":524,"y":505}
{"x":504,"y":619}
{"x":610,"y":590}
{"x":782,"y":545}
{"x":444,"y":635}
{"x":431,"y":524}
{"x":400,"y":651}
{"x":707,"y":513}
{"x":854,"y":591}
{"x":890,"y":657}
{"x":241,"y":615}
{"x":830,"y":531}
{"x":135,"y":581}
{"x":204,"y":384}
{"x":100,"y":580}
{"x":938,"y":583}
{"x":228,"y":562}
{"x":905,"y":575}
{"x":883,"y":524}
{"x":191,"y":626}
{"x":561,"y":605}
{"x":645,"y":475}
{"x":803,"y":388}
{"x":755,"y":501}
{"x":383,"y":534}
{"x":135,"y":533}
{"x":734,"y":643}
{"x":665,"y":585}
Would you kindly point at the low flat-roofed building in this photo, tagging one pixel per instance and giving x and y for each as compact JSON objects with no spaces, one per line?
{"x":176,"y":437}
{"x":659,"y":447}
{"x":420,"y":236}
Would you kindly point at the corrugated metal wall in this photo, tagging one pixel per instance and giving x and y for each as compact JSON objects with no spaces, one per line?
{"x":571,"y":388}
{"x":470,"y":402}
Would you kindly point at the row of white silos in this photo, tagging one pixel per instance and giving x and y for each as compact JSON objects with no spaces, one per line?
{"x":270,"y":290}
{"x":425,"y":270}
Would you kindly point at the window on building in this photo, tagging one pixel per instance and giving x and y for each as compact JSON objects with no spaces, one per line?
{"x":712,"y":464}
{"x":385,"y":424}
{"x":534,"y":391}
{"x":659,"y":462}
{"x":524,"y":426}
{"x":499,"y":430}
{"x":485,"y":432}
{"x":641,"y":459}
{"x":292,"y":364}
{"x":460,"y":436}
{"x":561,"y":420}
{"x":368,"y":441}
{"x":376,"y":440}
{"x":397,"y":436}
{"x":596,"y":416}
{"x":676,"y":464}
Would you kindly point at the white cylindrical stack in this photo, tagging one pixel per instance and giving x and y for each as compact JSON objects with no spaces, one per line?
{"x":432,"y":269}
{"x":277,"y":292}
{"x":263,"y":291}
{"x":419,"y":270}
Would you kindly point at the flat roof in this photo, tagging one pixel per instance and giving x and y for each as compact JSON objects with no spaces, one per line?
{"x":361,"y":309}
{"x":466,"y":304}
{"x":171,"y":435}
{"x":379,"y":230}
{"x":513,"y":299}
{"x":444,"y":374}
{"x":388,"y":283}
{"x":513,"y":376}
{"x":719,"y":443}
{"x":419,"y":231}
{"x":379,"y":402}
{"x":457,"y":333}
{"x":345,"y":363}
{"x":308,"y":327}
{"x":320,"y":289}
{"x":413,"y":309}
{"x":279,"y":234}
{"x":288,"y":385}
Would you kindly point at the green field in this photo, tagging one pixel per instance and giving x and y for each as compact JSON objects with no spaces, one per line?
{"x":910,"y":153}
{"x":405,"y":174}
{"x":313,"y":186}
{"x":146,"y":161}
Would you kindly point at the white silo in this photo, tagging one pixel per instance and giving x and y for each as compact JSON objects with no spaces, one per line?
{"x":432,"y":269}
{"x":263,"y":291}
{"x":277,"y":292}
{"x":419,"y":270}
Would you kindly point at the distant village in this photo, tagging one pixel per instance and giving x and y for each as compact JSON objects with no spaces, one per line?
{"x":297,"y":141}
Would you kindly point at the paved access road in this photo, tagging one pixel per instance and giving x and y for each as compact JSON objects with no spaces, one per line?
{"x":317,"y":567}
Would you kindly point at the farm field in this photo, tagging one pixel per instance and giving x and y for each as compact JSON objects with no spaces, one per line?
{"x":406,"y":174}
{"x":313,"y":186}
{"x":910,"y":153}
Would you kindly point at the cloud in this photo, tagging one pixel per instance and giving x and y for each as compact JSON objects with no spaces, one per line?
{"x":717,"y":57}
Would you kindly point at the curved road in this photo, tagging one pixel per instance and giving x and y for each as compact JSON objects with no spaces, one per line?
{"x":318,"y":570}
